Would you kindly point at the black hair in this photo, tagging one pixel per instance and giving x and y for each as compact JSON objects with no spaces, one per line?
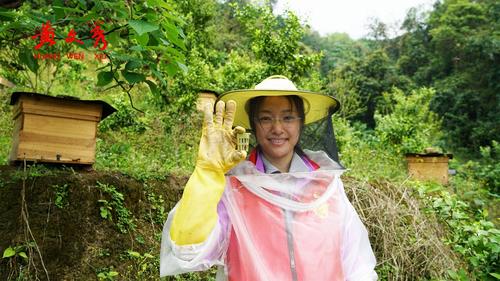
{"x":254,"y":105}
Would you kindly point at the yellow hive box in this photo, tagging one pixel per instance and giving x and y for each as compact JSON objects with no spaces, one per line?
{"x":428,"y":166}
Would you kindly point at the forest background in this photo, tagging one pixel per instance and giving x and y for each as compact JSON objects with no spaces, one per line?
{"x":435,"y":85}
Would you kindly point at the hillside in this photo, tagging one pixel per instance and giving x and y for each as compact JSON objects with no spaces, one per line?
{"x":63,"y":209}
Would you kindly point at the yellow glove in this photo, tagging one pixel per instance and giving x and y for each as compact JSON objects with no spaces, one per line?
{"x":196,"y":214}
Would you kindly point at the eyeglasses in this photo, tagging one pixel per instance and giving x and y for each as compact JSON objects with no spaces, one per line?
{"x":267,"y":122}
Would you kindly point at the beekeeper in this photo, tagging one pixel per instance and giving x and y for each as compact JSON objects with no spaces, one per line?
{"x":280,"y":215}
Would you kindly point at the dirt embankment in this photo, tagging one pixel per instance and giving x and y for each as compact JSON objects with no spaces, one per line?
{"x":75,"y":241}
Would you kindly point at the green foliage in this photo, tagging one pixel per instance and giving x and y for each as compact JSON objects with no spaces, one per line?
{"x":33,"y":171}
{"x":469,"y":115}
{"x":276,"y":41}
{"x":18,"y":258}
{"x":471,"y":233}
{"x":410,"y":126}
{"x":460,"y":275}
{"x":464,"y":64}
{"x":181,"y":99}
{"x":6,"y":126}
{"x":407,"y":126}
{"x":115,"y":205}
{"x":337,"y":48}
{"x":486,"y":170}
{"x":107,"y":274}
{"x":386,"y":270}
{"x":125,"y":118}
{"x":241,"y":71}
{"x":357,"y":144}
{"x":195,"y":276}
{"x":144,"y":37}
{"x":61,"y":191}
{"x":169,"y":145}
{"x":158,"y":214}
{"x":200,"y":17}
{"x":344,"y":89}
{"x":16,"y":251}
{"x":362,"y":81}
{"x":143,"y":265}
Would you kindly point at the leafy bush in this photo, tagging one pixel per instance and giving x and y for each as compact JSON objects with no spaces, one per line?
{"x":240,"y":72}
{"x":6,"y":126}
{"x":115,"y":204}
{"x":275,"y":40}
{"x":471,"y":233}
{"x":487,"y":169}
{"x":357,"y":144}
{"x":411,"y":126}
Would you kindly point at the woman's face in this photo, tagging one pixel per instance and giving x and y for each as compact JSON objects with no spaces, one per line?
{"x":275,"y":133}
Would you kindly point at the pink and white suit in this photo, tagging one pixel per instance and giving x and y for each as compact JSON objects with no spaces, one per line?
{"x":280,"y":227}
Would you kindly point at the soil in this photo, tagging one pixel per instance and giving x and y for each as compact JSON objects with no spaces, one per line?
{"x":75,"y":240}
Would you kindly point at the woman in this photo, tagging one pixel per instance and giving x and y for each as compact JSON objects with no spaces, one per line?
{"x":281,"y":215}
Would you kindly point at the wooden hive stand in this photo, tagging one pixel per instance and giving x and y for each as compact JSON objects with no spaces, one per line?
{"x":51,"y":129}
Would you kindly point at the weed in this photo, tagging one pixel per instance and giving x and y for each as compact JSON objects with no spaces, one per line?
{"x":61,"y":200}
{"x":471,"y":233}
{"x":2,"y":182}
{"x":18,"y":259}
{"x":116,"y":204}
{"x":107,"y":274}
{"x":16,"y":251}
{"x":142,"y":267}
{"x":140,"y":239}
{"x":103,"y":253}
{"x":105,"y":209}
{"x":460,"y":275}
{"x":157,"y":214}
{"x":33,"y":171}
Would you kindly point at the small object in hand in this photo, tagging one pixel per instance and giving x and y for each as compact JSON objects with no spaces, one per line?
{"x":243,"y":140}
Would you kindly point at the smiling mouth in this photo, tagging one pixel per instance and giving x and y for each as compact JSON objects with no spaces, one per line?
{"x":277,"y":141}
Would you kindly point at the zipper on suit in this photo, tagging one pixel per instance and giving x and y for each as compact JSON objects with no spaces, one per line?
{"x":289,"y":238}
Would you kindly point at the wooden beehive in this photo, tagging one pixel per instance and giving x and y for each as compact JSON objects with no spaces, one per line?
{"x":55,"y":129}
{"x":428,"y":166}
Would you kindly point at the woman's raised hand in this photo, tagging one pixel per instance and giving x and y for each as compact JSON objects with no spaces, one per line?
{"x":217,"y":149}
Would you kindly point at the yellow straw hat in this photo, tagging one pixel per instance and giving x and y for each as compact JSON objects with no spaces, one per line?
{"x":316,"y":105}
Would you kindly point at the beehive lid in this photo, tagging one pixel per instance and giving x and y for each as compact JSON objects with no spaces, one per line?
{"x":106,"y":108}
{"x":432,"y":154}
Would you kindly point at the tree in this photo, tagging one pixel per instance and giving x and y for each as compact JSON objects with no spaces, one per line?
{"x":142,"y":40}
{"x":466,"y":64}
{"x":367,"y":78}
{"x":337,"y":49}
{"x":275,"y":40}
{"x":455,"y":50}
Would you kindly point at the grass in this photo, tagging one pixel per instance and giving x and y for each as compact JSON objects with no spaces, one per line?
{"x":6,"y":125}
{"x":407,"y":241}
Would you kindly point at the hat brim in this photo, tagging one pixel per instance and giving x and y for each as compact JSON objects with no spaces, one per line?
{"x":316,"y":105}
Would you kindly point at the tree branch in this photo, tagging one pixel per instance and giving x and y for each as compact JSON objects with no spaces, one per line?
{"x":123,"y":87}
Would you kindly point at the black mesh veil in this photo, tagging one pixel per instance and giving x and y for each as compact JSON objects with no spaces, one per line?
{"x":320,"y":135}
